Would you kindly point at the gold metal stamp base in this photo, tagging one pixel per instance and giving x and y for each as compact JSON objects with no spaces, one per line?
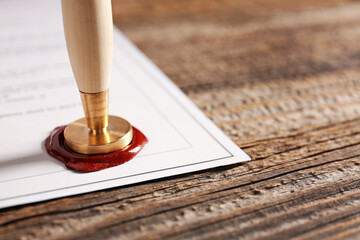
{"x":81,"y":139}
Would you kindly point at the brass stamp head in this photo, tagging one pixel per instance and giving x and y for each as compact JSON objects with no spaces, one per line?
{"x":97,"y":133}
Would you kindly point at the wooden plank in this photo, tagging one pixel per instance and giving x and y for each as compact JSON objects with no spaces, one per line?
{"x":282,"y":80}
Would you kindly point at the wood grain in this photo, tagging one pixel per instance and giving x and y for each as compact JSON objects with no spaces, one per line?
{"x":281,"y":78}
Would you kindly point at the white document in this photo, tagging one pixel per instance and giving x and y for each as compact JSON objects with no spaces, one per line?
{"x":38,"y":93}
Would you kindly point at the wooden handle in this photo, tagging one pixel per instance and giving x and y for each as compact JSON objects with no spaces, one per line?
{"x":88,"y":29}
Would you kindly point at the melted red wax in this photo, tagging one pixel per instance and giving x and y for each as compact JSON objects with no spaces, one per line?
{"x":55,"y":146}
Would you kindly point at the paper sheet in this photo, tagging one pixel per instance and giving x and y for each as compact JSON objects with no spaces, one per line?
{"x":38,"y":93}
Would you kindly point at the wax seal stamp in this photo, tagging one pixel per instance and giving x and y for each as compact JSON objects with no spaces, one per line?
{"x":89,"y":38}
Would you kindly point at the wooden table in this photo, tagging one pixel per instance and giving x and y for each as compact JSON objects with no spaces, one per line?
{"x":282,"y":80}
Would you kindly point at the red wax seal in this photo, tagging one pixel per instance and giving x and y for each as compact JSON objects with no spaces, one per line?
{"x":55,"y":146}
